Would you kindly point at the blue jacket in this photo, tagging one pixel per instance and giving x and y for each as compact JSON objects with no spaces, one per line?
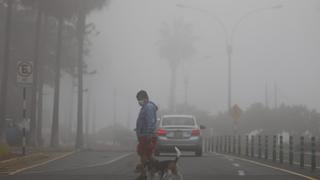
{"x":147,"y":120}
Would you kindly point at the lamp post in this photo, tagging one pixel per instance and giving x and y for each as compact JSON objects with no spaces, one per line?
{"x":229,"y":37}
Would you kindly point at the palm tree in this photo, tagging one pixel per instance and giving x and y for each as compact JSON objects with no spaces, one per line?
{"x":176,"y":46}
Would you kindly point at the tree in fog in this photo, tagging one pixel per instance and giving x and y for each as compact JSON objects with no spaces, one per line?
{"x":296,"y":120}
{"x":85,"y":7}
{"x":73,"y":11}
{"x":176,"y":45}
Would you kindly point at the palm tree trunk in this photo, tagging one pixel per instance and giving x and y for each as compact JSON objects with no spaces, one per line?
{"x":81,"y":31}
{"x":55,"y":120}
{"x":4,"y":83}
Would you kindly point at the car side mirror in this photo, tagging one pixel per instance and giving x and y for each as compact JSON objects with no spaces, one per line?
{"x":202,"y":127}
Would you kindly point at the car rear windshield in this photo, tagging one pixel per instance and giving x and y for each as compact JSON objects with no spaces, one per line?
{"x":180,"y":121}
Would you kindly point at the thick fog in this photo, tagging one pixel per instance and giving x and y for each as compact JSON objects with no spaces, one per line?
{"x":275,"y":53}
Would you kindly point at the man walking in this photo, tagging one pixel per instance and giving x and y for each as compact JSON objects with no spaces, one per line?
{"x":146,"y":129}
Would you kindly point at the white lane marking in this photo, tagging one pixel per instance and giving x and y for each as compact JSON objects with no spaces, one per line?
{"x":276,"y":168}
{"x":241,"y":173}
{"x":236,"y":165}
{"x":109,"y":162}
{"x":83,"y":167}
{"x":230,"y":159}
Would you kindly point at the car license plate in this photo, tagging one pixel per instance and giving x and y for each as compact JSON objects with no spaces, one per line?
{"x":178,"y":134}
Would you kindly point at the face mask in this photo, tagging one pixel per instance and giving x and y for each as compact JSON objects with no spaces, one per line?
{"x":141,"y":102}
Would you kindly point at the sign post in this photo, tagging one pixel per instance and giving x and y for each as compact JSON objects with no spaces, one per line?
{"x":235,"y":113}
{"x":25,"y":79}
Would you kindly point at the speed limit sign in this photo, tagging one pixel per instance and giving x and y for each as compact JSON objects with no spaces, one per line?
{"x":25,"y":72}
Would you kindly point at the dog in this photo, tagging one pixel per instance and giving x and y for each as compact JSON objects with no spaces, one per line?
{"x":165,"y":168}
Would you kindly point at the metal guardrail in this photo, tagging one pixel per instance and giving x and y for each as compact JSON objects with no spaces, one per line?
{"x":304,"y":152}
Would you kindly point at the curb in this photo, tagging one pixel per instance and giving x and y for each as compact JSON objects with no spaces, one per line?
{"x":38,"y":164}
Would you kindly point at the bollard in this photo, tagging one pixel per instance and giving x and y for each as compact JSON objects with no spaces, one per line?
{"x":291,"y":150}
{"x":229,"y":144}
{"x":259,"y":147}
{"x":239,"y":145}
{"x":313,"y":154}
{"x":281,"y":150}
{"x":212,"y":144}
{"x":266,"y":143}
{"x":274,"y":151}
{"x":221,"y":144}
{"x":210,"y":140}
{"x":208,"y":144}
{"x":234,"y":145}
{"x":252,"y":146}
{"x":204,"y":144}
{"x":217,"y":144}
{"x":247,"y":145}
{"x":301,"y":152}
{"x":225,"y":144}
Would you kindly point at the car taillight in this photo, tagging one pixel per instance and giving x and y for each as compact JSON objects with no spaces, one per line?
{"x":161,"y":132}
{"x":195,"y":132}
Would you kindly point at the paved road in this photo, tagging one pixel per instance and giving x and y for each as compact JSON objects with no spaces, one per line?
{"x":93,"y":165}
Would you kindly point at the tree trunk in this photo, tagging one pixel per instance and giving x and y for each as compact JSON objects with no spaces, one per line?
{"x":33,"y":123}
{"x":55,"y":120}
{"x":5,"y":69}
{"x":81,"y":34}
{"x":40,"y":82}
{"x":172,"y":100}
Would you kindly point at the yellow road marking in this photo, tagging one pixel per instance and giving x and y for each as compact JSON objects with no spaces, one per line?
{"x":276,"y":168}
{"x":40,"y":164}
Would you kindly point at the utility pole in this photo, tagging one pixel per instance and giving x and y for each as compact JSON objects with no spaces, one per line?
{"x":275,"y":95}
{"x":4,"y":87}
{"x":266,"y":96}
{"x":186,"y":88}
{"x":114,"y":115}
{"x":87,"y":117}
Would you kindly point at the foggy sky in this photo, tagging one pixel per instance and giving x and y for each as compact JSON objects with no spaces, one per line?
{"x":278,"y":46}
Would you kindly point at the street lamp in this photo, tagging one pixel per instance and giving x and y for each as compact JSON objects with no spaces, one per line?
{"x":229,"y":38}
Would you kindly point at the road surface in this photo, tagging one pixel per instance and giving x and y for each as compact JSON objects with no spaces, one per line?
{"x":97,"y":165}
